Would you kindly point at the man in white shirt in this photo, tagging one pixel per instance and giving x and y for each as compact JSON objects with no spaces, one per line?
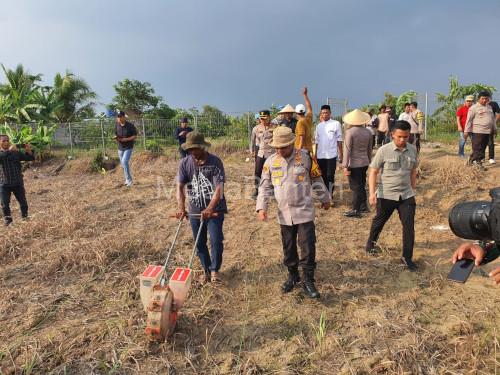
{"x":406,"y":115}
{"x":328,"y":146}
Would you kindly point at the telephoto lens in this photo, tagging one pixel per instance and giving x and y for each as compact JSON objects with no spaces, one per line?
{"x":469,"y":220}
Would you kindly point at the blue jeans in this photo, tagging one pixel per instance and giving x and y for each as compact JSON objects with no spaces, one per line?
{"x":214,"y":227}
{"x":461,"y":145}
{"x":125,"y":156}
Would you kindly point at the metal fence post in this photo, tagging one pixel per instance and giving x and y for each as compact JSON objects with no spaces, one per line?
{"x":249,"y":132}
{"x":143,"y":133}
{"x":70,"y":138}
{"x":102,"y":138}
{"x":426,"y":117}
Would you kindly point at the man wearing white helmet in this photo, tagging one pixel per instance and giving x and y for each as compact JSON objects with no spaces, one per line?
{"x":303,"y":130}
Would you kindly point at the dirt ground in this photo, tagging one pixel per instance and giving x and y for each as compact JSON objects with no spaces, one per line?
{"x":70,"y":301}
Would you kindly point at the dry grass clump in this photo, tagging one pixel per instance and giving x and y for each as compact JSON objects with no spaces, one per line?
{"x":70,"y":299}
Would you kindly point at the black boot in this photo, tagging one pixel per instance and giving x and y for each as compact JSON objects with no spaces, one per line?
{"x":308,"y":284}
{"x":364,"y":208}
{"x":7,"y":220}
{"x":293,"y":279}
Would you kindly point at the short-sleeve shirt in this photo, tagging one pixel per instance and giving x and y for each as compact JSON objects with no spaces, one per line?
{"x":327,"y":135}
{"x":304,"y":128}
{"x":396,"y":168}
{"x":125,"y":131}
{"x":462,"y":112}
{"x":201,"y":182}
{"x":182,"y":138}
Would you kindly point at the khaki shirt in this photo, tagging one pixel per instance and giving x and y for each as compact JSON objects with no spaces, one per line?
{"x":290,"y":182}
{"x":263,"y":137}
{"x":480,"y":120}
{"x":397,"y":166}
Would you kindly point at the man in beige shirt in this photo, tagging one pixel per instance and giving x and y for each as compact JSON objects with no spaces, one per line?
{"x":480,"y":124}
{"x":286,"y":175}
{"x":263,"y":137}
{"x":396,"y":163}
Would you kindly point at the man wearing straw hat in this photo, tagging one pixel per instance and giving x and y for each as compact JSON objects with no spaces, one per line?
{"x":286,"y":175}
{"x":286,"y":118}
{"x":358,"y":146}
{"x":203,"y":175}
{"x":264,"y":136}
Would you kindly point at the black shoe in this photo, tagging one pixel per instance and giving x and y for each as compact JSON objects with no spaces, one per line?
{"x":364,"y":209}
{"x":293,"y":279}
{"x":310,"y":289}
{"x":352,"y":213}
{"x":373,"y":251}
{"x":7,"y":221}
{"x":412,"y":267}
{"x":308,"y":284}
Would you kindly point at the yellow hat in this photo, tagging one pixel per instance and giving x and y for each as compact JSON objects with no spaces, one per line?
{"x":282,"y":137}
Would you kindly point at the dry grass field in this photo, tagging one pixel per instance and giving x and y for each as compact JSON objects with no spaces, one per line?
{"x":70,"y":301}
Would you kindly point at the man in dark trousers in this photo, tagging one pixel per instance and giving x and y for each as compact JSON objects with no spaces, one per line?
{"x":125,"y":135}
{"x":287,"y":176}
{"x":396,"y":163}
{"x":357,"y":155}
{"x":480,"y":125}
{"x":180,"y":135}
{"x":11,"y":176}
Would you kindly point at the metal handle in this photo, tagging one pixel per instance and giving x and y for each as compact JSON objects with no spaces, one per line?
{"x":196,"y":243}
{"x":163,"y":278}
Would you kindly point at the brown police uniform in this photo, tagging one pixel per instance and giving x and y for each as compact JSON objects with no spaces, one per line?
{"x":290,"y":182}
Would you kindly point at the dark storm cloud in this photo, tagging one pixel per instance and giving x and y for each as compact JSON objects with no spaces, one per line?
{"x":246,"y":55}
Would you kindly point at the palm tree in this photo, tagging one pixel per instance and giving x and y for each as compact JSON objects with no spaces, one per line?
{"x":19,"y":90}
{"x":74,"y":96}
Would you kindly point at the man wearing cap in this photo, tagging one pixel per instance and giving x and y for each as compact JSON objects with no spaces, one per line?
{"x":303,"y":130}
{"x":285,"y":118}
{"x":396,"y":163}
{"x":125,"y":135}
{"x":462,"y":112}
{"x":328,"y":142}
{"x":264,"y":136}
{"x":357,"y":156}
{"x":286,"y":175}
{"x":203,"y":175}
{"x":180,"y":135}
{"x":480,"y":124}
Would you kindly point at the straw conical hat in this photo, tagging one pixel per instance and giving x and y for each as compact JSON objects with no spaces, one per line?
{"x":356,"y":118}
{"x":287,"y":109}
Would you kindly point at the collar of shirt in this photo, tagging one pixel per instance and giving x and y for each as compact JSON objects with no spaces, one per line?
{"x":395,"y":148}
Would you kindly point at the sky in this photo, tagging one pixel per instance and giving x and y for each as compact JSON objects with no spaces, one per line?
{"x":246,"y":55}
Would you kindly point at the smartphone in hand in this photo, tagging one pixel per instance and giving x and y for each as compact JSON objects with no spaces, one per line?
{"x":461,"y":270}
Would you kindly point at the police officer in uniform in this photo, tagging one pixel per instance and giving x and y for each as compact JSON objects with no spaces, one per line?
{"x":287,"y":176}
{"x":263,"y":137}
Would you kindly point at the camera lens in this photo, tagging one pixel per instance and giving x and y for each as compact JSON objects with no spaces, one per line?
{"x":469,"y":220}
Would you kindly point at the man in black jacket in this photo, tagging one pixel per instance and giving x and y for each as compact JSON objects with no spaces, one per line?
{"x":11,"y":176}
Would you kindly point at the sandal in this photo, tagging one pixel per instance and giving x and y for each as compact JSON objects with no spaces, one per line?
{"x":215,"y":277}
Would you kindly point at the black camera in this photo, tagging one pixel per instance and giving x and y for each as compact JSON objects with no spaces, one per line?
{"x":479,"y":220}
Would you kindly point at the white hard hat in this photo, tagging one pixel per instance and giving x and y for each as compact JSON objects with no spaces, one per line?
{"x":300,"y":108}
